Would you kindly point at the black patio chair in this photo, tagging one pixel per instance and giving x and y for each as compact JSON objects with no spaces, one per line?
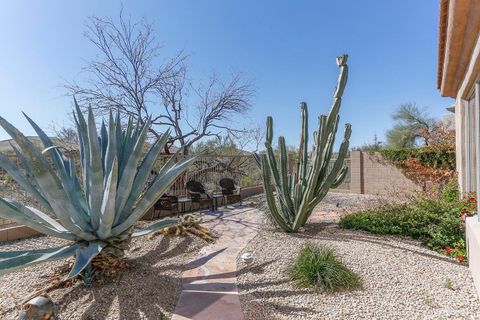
{"x":167,"y":203}
{"x":230,"y":190}
{"x":199,"y":195}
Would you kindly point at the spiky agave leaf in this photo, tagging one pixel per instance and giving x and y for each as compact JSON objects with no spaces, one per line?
{"x":11,"y":261}
{"x":93,"y":210}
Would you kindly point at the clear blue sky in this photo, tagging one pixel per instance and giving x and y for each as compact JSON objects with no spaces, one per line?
{"x":287,"y":48}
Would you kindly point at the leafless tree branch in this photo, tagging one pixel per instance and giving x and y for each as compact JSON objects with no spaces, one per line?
{"x":128,"y":76}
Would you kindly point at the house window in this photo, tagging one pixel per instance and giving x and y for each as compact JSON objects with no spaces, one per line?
{"x":476,"y":104}
{"x":470,"y":143}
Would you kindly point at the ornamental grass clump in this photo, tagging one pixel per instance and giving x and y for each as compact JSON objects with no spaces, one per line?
{"x":318,"y":268}
{"x":95,"y":210}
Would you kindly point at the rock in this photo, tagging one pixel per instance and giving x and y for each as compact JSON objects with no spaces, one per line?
{"x":39,"y":308}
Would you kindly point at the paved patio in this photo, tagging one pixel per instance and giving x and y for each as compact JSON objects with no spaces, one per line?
{"x":209,"y":289}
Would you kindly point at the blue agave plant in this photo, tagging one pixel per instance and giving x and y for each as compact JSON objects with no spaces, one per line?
{"x":96,"y":210}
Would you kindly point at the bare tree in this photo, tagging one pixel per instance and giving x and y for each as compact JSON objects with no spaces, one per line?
{"x":129,"y":76}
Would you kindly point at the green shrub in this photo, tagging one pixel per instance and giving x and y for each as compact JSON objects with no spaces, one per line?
{"x":426,"y":156}
{"x":437,"y":222}
{"x":319,"y":269}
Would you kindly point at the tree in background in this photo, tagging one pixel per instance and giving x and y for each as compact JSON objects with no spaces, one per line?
{"x":413,"y":125}
{"x":242,"y":143}
{"x":432,"y":166}
{"x":229,"y":156}
{"x":128,"y":75}
{"x":375,"y":146}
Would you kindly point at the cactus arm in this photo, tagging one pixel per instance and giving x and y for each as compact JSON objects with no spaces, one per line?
{"x":303,"y":156}
{"x":328,"y":152}
{"x":284,"y":175}
{"x":339,"y":163}
{"x":272,"y":164}
{"x":267,"y":186}
{"x":340,"y":178}
{"x":257,"y":159}
{"x":316,"y":177}
{"x":343,"y":77}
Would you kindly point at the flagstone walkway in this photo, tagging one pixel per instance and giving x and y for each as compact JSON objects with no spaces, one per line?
{"x":209,"y":285}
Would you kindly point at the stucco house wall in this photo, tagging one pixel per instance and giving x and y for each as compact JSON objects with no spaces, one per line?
{"x":459,"y":78}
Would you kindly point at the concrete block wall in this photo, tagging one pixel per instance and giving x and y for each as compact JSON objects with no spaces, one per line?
{"x":371,"y":174}
{"x":356,"y":172}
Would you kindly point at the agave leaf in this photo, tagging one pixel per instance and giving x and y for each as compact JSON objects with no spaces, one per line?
{"x":54,"y":153}
{"x":103,"y":141}
{"x":23,"y":160}
{"x":126,"y":144}
{"x":119,"y":139}
{"x":153,"y":194}
{"x":111,"y":147}
{"x":22,"y":180}
{"x":14,"y":254}
{"x":84,"y":255}
{"x":108,"y":203}
{"x":28,"y":170}
{"x":78,"y":189}
{"x":63,"y":168}
{"x":95,"y":170}
{"x":84,"y":147}
{"x":34,"y":219}
{"x":49,"y":184}
{"x":143,"y":174}
{"x":154,"y":227}
{"x":167,"y":165}
{"x":11,"y":261}
{"x":164,"y":169}
{"x":127,"y":176}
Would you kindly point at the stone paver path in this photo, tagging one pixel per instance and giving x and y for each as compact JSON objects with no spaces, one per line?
{"x":209,"y":285}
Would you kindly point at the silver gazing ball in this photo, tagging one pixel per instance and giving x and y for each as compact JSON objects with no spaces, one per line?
{"x":247,"y":257}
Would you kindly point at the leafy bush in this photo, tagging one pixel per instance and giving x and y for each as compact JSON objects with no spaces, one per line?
{"x":423,"y":165}
{"x":319,"y":268}
{"x":437,"y":222}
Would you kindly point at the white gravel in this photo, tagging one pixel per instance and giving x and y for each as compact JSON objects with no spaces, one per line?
{"x":401,"y":279}
{"x":146,"y":291}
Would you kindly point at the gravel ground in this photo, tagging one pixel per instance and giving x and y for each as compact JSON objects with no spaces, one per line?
{"x":349,"y":202}
{"x":146,"y":291}
{"x":401,"y":279}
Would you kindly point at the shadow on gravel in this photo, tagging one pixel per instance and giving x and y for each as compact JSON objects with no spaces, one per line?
{"x":258,"y":308}
{"x":331,"y":232}
{"x":140,"y":292}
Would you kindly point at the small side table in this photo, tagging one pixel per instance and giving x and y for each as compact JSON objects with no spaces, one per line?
{"x":215,"y":197}
{"x":181,"y":202}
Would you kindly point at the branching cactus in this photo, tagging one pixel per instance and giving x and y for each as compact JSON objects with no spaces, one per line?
{"x":95,"y":211}
{"x":297,"y":194}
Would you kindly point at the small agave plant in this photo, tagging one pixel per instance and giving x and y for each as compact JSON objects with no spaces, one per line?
{"x":96,"y":210}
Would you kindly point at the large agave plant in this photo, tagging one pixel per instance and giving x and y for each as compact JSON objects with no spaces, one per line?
{"x":96,"y":210}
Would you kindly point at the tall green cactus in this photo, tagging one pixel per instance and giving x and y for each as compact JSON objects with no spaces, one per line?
{"x":297,"y":194}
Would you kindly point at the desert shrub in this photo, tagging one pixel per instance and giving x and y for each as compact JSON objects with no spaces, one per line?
{"x":318,"y":268}
{"x":437,"y":222}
